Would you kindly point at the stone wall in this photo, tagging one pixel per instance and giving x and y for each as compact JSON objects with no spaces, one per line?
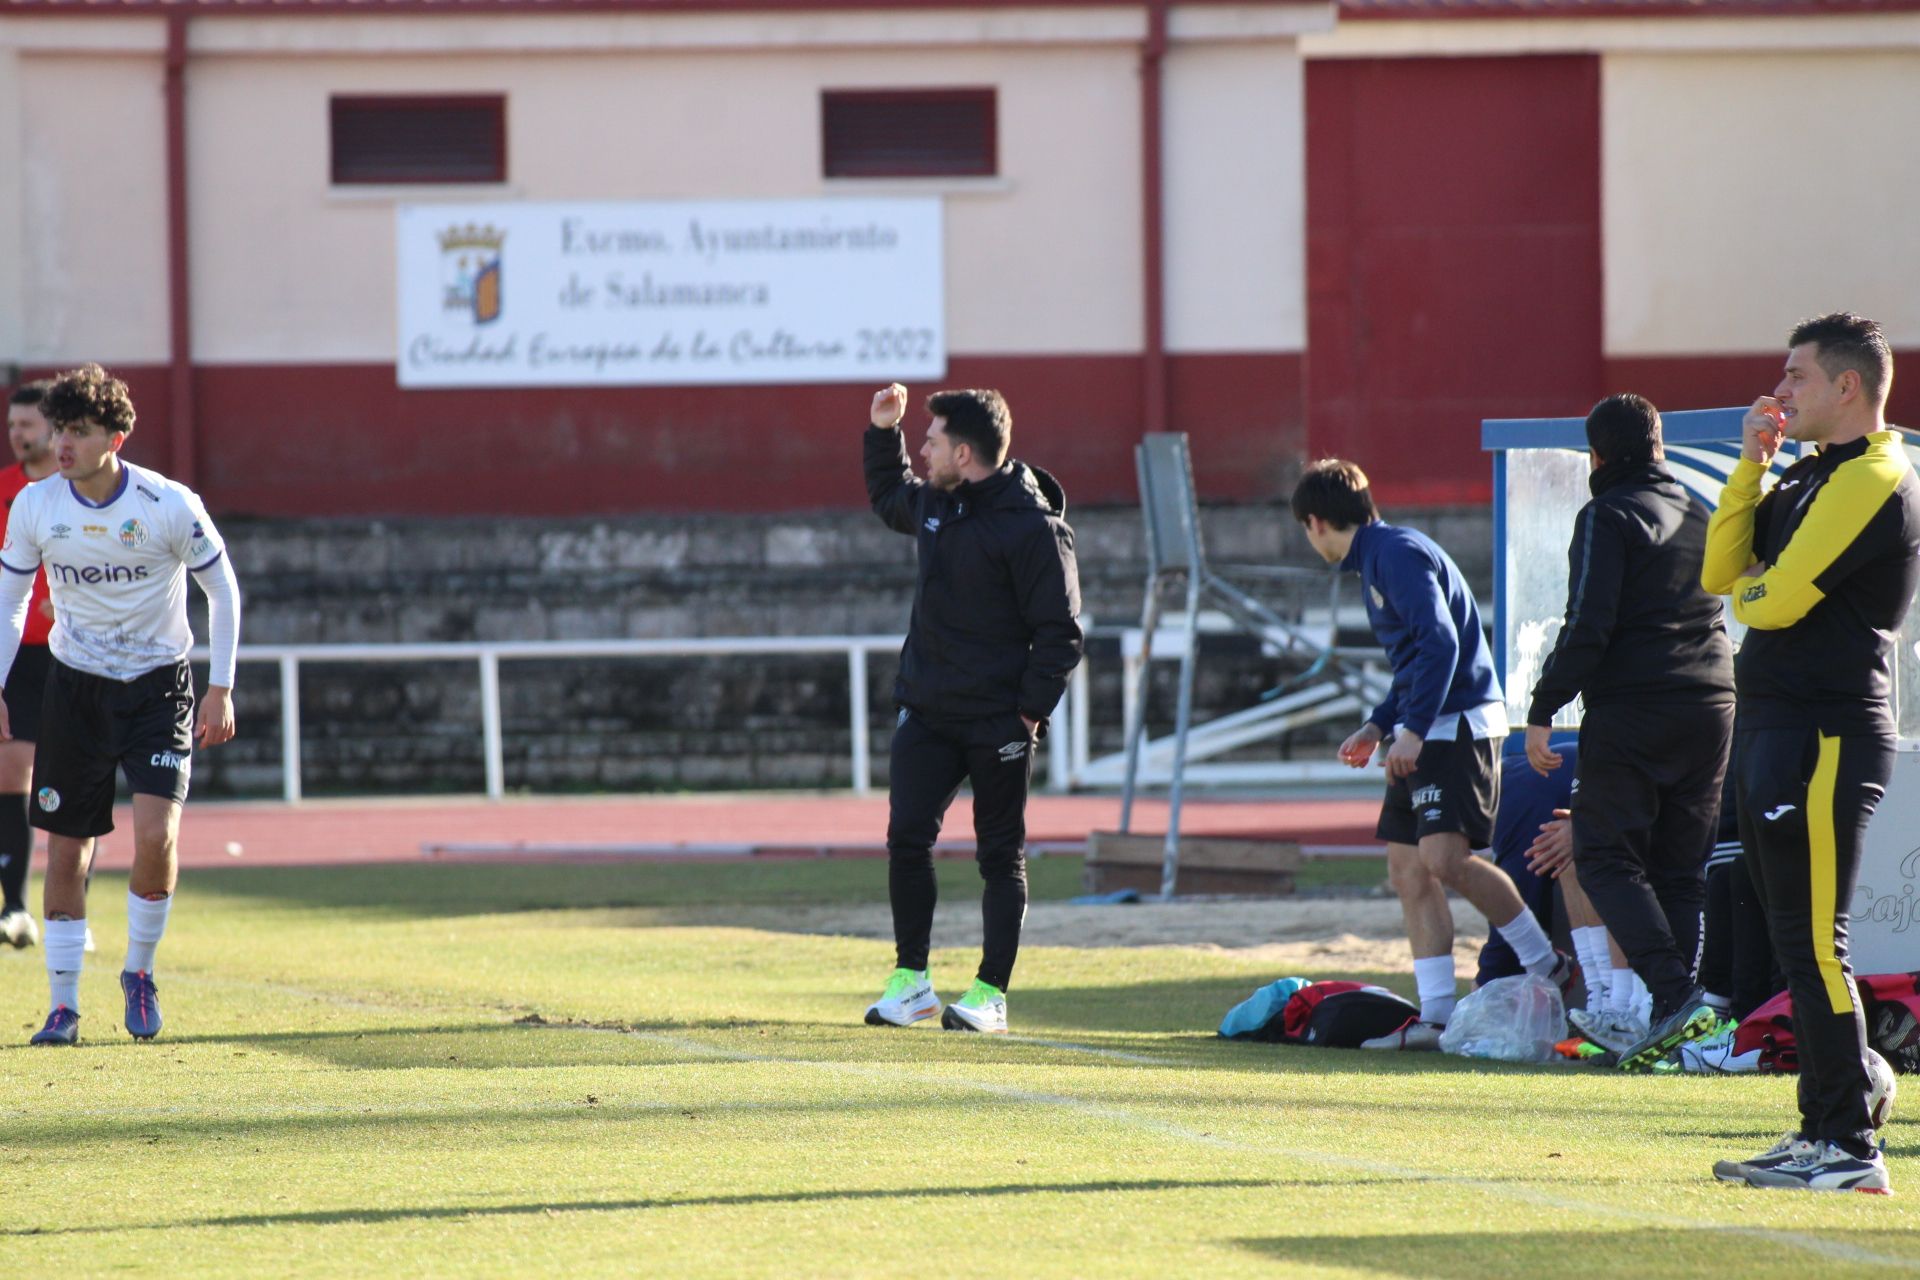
{"x":655,"y":724}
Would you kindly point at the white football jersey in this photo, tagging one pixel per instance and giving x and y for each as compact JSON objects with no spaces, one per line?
{"x":117,"y":571}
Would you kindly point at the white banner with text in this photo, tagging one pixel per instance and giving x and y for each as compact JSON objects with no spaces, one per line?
{"x":704,"y":293}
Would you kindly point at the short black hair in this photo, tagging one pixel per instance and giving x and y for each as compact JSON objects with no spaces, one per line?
{"x":30,"y":393}
{"x":1845,"y":341}
{"x":1337,"y":491}
{"x":976,"y":417}
{"x":89,"y":394}
{"x":1625,"y":428}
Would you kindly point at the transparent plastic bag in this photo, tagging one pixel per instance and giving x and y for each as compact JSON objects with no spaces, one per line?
{"x":1508,"y":1020}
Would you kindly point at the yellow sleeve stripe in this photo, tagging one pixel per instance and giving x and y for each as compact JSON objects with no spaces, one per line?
{"x":1730,"y":532}
{"x":1839,"y":514}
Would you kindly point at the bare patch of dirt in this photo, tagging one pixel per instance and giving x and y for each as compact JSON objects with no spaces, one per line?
{"x":1358,"y":934}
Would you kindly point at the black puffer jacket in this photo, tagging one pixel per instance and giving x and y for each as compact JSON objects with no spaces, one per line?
{"x":995,"y":630}
{"x":1639,"y":627}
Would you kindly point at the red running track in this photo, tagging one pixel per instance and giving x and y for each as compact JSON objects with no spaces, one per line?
{"x":362,"y":831}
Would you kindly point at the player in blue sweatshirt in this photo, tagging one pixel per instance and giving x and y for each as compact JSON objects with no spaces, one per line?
{"x":1445,"y":721}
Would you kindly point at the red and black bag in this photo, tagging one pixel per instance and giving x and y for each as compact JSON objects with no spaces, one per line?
{"x":1340,"y":1015}
{"x":1889,"y":1002}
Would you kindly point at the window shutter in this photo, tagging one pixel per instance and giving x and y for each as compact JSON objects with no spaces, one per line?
{"x":419,"y":139}
{"x":889,"y":133}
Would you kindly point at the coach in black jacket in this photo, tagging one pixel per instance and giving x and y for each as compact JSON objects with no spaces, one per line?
{"x":994,"y":635}
{"x":1646,"y":648}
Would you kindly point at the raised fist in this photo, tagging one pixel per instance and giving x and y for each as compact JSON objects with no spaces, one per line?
{"x":889,"y":405}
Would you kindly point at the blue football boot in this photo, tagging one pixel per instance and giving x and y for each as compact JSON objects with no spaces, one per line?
{"x":143,"y":1005}
{"x":63,"y":1027}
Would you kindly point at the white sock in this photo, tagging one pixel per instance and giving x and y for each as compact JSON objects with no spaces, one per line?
{"x":146,"y":921}
{"x":1438,"y":988}
{"x":1596,"y":962}
{"x":1531,"y":946}
{"x":1642,"y":1007}
{"x":1621,"y":991}
{"x":65,"y":944}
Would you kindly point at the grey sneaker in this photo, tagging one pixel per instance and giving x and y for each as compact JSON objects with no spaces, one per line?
{"x":1790,"y":1147}
{"x":1695,"y":1019}
{"x":1826,"y":1166}
{"x":1413,"y":1036}
{"x":1563,"y":973}
{"x":1617,"y":1032}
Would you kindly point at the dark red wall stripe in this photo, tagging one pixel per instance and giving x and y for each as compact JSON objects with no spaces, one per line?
{"x":331,"y":440}
{"x":1699,"y":382}
{"x":343,"y":440}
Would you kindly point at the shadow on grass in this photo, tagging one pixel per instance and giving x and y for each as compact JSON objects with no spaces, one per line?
{"x":477,"y":1046}
{"x":1635,"y":1250}
{"x":350,"y":1217}
{"x":440,"y":889}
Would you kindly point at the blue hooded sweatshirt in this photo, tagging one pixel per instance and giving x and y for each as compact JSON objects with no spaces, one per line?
{"x":1424,"y":616}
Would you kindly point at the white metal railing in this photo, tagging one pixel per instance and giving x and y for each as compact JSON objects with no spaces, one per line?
{"x":488,"y":655}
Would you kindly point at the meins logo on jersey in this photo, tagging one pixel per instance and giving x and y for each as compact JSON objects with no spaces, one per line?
{"x":74,"y":575}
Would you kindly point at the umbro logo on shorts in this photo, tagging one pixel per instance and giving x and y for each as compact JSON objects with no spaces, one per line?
{"x":1013,"y":751}
{"x":1431,"y":815}
{"x":933,"y":524}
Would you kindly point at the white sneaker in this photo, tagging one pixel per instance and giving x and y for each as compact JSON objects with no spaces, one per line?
{"x":17,"y":929}
{"x":1618,"y":1032}
{"x":908,"y":999}
{"x":1714,"y":1056}
{"x":1413,"y":1036}
{"x":983,"y":1008}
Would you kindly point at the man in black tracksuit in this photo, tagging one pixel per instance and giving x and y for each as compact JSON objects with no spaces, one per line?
{"x":1646,"y":649}
{"x":995,"y":633}
{"x":1822,"y":570}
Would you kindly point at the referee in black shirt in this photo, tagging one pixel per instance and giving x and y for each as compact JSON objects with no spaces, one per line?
{"x":1822,"y":570}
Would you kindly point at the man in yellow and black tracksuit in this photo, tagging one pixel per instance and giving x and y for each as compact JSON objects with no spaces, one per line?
{"x":1821,"y":570}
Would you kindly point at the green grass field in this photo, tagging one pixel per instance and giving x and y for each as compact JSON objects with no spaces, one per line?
{"x":465,"y":1071}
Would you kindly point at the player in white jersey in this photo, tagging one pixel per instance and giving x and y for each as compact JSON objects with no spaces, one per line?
{"x":117,"y":542}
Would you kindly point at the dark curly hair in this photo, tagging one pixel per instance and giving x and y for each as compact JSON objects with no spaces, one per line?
{"x":88,"y":394}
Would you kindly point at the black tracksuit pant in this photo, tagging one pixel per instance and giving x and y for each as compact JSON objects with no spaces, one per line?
{"x":930,"y":761}
{"x":1645,"y":808}
{"x":1736,"y":951}
{"x":1805,"y":800}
